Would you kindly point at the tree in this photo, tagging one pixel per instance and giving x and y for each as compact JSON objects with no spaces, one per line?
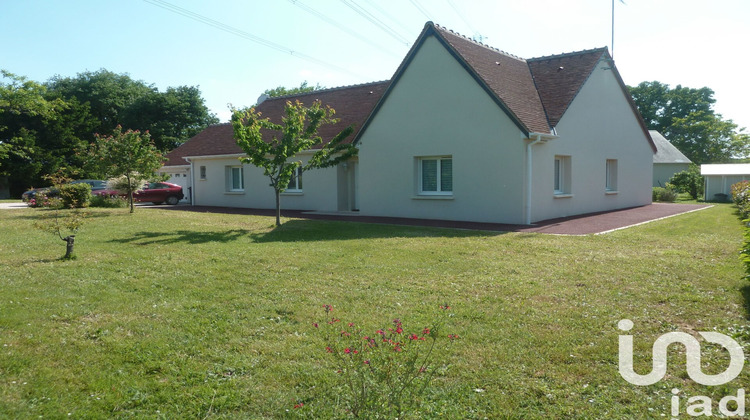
{"x":131,"y":155}
{"x":282,"y":91}
{"x":23,"y":110}
{"x":297,"y":132}
{"x":689,"y":181}
{"x":686,"y":117}
{"x":171,"y":117}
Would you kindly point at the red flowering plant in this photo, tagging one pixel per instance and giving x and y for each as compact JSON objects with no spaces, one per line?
{"x":383,"y":372}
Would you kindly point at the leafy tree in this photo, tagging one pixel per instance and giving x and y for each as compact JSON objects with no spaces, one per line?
{"x":282,"y":91}
{"x":689,"y":181}
{"x":297,"y":132}
{"x":171,"y":117}
{"x":131,"y":155}
{"x":686,"y":117}
{"x":23,"y":109}
{"x":113,"y":99}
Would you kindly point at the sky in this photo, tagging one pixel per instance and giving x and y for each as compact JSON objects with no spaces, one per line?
{"x":235,"y":49}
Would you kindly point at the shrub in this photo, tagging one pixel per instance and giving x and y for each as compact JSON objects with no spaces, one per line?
{"x":663,"y":194}
{"x":75,"y":196}
{"x":113,"y":202}
{"x":385,"y":373}
{"x":741,"y":197}
{"x":689,"y":181}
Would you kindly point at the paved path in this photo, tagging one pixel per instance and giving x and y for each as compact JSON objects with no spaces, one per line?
{"x":18,"y":205}
{"x":577,"y":225}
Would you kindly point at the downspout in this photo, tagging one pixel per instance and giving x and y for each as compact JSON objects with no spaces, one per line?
{"x":191,"y":189}
{"x":529,"y":162}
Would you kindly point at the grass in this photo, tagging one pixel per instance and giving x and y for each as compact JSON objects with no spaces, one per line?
{"x":168,"y":314}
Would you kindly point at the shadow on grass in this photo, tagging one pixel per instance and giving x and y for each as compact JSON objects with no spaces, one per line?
{"x":300,"y":231}
{"x":182,"y":236}
{"x":321,"y":230}
{"x":37,"y":213}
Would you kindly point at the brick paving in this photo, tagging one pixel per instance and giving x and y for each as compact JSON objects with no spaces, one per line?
{"x":586,"y":224}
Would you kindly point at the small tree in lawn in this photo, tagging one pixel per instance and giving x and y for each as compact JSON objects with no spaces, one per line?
{"x":297,"y":132}
{"x":131,"y":155}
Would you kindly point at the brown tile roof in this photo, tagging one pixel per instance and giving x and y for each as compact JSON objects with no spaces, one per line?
{"x":558,"y":78}
{"x":507,"y":76}
{"x":352,"y":104}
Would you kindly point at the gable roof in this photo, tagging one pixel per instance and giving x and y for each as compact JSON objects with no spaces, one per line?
{"x":665,"y":151}
{"x":559,"y":78}
{"x":353,"y":105}
{"x":508,"y":78}
{"x":534,"y":93}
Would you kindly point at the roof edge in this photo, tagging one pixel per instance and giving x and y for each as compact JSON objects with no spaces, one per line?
{"x":431,"y":29}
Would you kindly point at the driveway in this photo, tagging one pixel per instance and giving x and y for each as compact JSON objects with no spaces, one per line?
{"x":594,"y":223}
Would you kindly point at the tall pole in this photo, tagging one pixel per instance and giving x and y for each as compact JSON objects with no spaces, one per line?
{"x":613,"y":29}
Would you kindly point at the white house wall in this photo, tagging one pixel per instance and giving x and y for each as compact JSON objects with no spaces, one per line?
{"x":598,"y":125}
{"x":437,"y":109}
{"x":319,"y":190}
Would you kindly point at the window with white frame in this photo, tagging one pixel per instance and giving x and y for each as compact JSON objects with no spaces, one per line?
{"x":235,"y":179}
{"x":611,"y":175}
{"x":203,"y":172}
{"x":562,"y":175}
{"x":436,"y":175}
{"x":295,"y":183}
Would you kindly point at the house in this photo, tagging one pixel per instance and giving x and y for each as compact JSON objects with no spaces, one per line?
{"x":217,"y":178}
{"x":668,"y":160}
{"x":718,"y":179}
{"x":462,"y":132}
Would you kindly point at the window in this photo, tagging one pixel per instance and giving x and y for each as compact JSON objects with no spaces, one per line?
{"x":203,"y":172}
{"x":235,"y":179}
{"x":436,"y":176}
{"x":611,"y":175}
{"x":295,"y":184}
{"x":562,"y":175}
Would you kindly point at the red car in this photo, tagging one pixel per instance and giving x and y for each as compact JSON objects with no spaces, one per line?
{"x":155,"y":192}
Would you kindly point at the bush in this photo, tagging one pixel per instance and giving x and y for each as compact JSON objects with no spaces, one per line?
{"x":663,"y":194}
{"x":75,"y":196}
{"x":113,"y":202}
{"x":689,"y":181}
{"x":741,"y":197}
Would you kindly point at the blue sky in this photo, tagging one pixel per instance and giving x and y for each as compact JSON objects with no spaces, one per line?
{"x":694,"y":43}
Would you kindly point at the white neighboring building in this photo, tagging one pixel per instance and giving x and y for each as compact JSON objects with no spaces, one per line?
{"x":668,"y":160}
{"x":718,"y":179}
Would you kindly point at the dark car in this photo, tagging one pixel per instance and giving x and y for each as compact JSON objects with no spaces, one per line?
{"x":155,"y":192}
{"x":96,"y":185}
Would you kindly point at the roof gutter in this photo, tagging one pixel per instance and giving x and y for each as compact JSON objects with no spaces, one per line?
{"x":535,"y":138}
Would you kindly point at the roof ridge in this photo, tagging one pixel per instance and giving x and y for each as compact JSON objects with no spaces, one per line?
{"x":568,"y":54}
{"x":295,"y":95}
{"x":489,"y":47}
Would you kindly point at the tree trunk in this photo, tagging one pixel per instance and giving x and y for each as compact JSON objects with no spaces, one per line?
{"x":70,"y":240}
{"x":130,"y":196}
{"x":278,"y":208}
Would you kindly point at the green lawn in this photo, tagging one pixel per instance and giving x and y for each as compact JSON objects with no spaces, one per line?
{"x":168,"y":314}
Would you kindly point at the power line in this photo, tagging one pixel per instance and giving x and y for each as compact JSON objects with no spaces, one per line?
{"x":463,"y":18}
{"x":375,"y":6}
{"x":242,"y":34}
{"x":322,"y":16}
{"x":419,"y":7}
{"x":369,"y":16}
